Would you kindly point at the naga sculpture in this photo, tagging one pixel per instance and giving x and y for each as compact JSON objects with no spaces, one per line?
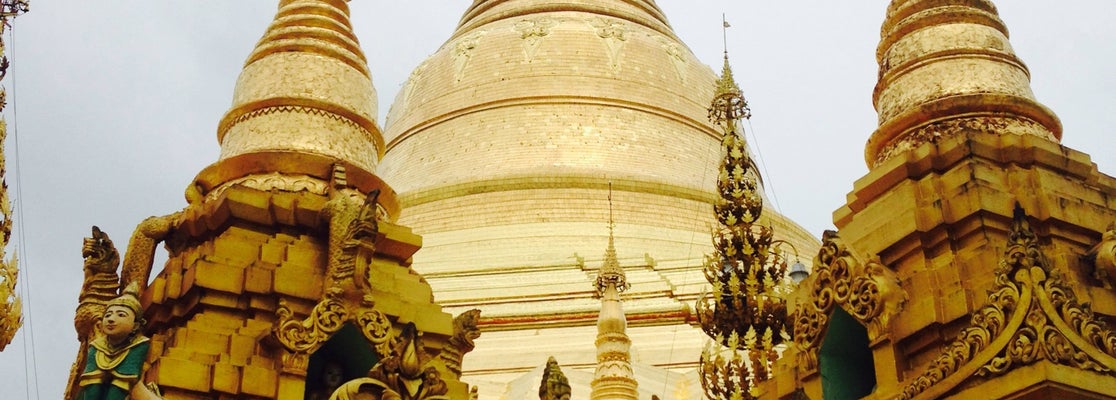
{"x":465,"y":331}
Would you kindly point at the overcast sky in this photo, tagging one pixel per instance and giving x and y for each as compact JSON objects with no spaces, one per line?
{"x":115,"y":106}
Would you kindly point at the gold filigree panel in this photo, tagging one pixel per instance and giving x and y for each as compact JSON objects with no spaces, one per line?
{"x":868,"y":291}
{"x":1031,"y":315}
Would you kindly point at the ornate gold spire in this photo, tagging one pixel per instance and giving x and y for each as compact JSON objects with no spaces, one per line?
{"x":11,"y":310}
{"x":743,"y":315}
{"x":554,"y":385}
{"x":614,"y":378}
{"x":946,"y":69}
{"x":306,"y":91}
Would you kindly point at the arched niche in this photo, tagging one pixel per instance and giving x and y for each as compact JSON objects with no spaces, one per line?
{"x":347,"y":349}
{"x":845,"y":359}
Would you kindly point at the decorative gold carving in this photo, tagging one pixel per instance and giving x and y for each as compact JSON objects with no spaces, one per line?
{"x":868,"y":291}
{"x":99,"y":287}
{"x":11,"y":308}
{"x":465,"y":331}
{"x":11,"y":316}
{"x":1103,"y":256}
{"x":940,"y":130}
{"x":462,"y":52}
{"x":376,"y":327}
{"x":352,"y":223}
{"x":295,"y":363}
{"x":101,"y":282}
{"x":226,"y":125}
{"x":1031,"y":315}
{"x":532,"y":31}
{"x":614,"y":33}
{"x":554,"y":385}
{"x":305,"y":336}
{"x":406,"y":374}
{"x":746,"y":313}
{"x":723,"y":369}
{"x":677,"y":56}
{"x":353,"y":226}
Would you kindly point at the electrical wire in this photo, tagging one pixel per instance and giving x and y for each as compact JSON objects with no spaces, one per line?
{"x":769,"y":186}
{"x":29,"y":353}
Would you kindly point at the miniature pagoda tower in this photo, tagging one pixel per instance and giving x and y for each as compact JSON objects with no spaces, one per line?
{"x":286,"y":263}
{"x":975,"y":258}
{"x":613,"y":378}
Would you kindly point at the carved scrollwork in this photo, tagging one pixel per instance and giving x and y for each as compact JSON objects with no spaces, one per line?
{"x":353,"y":225}
{"x":868,"y":291}
{"x":1030,"y":315}
{"x":376,"y":327}
{"x":306,"y":335}
{"x":532,"y":31}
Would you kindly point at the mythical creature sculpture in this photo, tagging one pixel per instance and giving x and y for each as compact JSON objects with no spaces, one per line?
{"x":465,"y":331}
{"x":554,"y":385}
{"x":1103,"y":256}
{"x":352,"y":222}
{"x":141,"y":249}
{"x":101,"y":282}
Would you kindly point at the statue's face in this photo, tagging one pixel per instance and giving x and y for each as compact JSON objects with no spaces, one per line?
{"x":332,"y":374}
{"x":117,"y":323}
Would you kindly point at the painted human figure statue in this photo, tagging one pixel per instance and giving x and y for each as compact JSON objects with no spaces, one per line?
{"x":114,"y":363}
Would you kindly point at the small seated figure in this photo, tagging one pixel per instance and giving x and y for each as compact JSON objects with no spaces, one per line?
{"x":114,"y":363}
{"x":333,"y":375}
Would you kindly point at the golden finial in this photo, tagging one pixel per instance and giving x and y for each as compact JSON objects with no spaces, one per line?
{"x":743,"y":270}
{"x":728,"y":101}
{"x":611,"y":273}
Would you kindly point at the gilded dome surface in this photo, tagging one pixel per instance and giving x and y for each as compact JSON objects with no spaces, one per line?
{"x":580,"y":87}
{"x":503,"y":142}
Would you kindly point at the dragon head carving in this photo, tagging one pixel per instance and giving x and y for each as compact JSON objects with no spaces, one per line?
{"x":99,"y":253}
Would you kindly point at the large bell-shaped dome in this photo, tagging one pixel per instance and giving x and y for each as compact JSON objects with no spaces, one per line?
{"x":509,"y":133}
{"x":503,"y":144}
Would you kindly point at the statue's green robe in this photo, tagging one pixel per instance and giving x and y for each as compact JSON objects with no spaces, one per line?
{"x":110,"y":372}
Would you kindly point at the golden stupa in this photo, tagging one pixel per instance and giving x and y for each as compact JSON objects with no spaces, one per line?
{"x":501,"y":145}
{"x":285,"y":268}
{"x":975,"y":259}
